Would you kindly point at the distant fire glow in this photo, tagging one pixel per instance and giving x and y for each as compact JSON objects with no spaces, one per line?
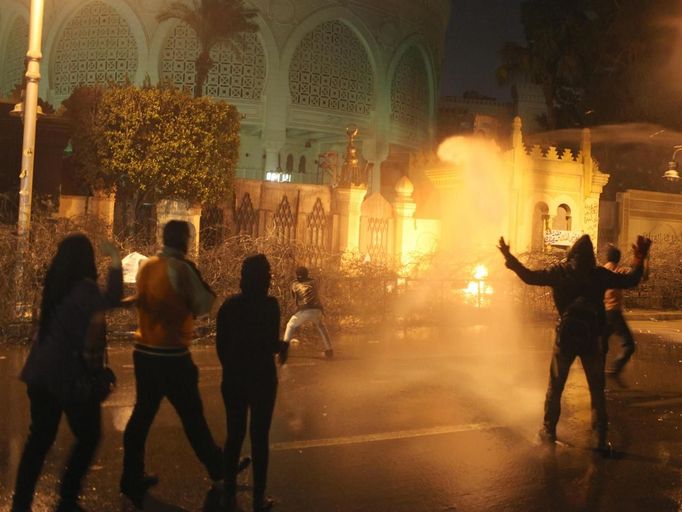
{"x":478,"y":292}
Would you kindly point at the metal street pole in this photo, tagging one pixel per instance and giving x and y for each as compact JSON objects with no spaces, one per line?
{"x":30,"y":109}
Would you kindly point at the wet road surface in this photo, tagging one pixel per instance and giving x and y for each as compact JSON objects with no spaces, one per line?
{"x":417,"y":420}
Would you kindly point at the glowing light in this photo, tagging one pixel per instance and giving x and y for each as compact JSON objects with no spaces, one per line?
{"x":480,"y":272}
{"x":278,"y":177}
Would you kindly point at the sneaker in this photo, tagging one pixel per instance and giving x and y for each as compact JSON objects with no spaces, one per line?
{"x":329,"y":353}
{"x":262,"y":504}
{"x":69,"y":506}
{"x":244,"y":463}
{"x":546,"y":437}
{"x":135,"y":491}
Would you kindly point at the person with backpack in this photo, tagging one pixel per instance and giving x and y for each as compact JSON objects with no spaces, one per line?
{"x":615,"y":321}
{"x":578,"y":287}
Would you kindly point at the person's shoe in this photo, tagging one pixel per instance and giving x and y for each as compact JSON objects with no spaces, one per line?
{"x":244,"y":463}
{"x":546,"y":437}
{"x":135,"y":490}
{"x":263,"y":503}
{"x":604,"y":448}
{"x":329,"y":353}
{"x":69,"y":506}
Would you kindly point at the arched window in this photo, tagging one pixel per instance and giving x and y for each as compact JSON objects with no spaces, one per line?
{"x":290,"y":163}
{"x":562,"y":220}
{"x":540,"y":219}
{"x":410,"y":91}
{"x":331,"y":70}
{"x":96,"y":46}
{"x":15,"y":53}
{"x":301,"y":165}
{"x":238,"y":71}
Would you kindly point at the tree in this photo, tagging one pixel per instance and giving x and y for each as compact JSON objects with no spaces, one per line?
{"x":558,"y":33}
{"x":214,"y":22}
{"x":155,"y":142}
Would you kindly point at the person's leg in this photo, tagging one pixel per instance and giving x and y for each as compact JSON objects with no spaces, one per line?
{"x":627,"y":342}
{"x":593,"y":366}
{"x":562,"y":359}
{"x":45,"y":416}
{"x":147,"y":401}
{"x":236,"y":410}
{"x":322,"y":329}
{"x":182,"y":390}
{"x":85,"y":422}
{"x":262,"y":405}
{"x":294,"y":323}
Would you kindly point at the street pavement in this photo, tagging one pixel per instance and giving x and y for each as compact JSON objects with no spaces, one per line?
{"x":420,"y":419}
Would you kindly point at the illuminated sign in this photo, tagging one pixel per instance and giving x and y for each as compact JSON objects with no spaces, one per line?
{"x":278,"y":177}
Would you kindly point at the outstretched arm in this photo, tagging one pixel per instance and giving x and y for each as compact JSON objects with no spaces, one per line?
{"x":545,"y":277}
{"x":640,"y":251}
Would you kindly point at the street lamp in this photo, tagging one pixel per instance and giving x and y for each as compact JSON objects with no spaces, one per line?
{"x":30,"y":113}
{"x":672,"y":173}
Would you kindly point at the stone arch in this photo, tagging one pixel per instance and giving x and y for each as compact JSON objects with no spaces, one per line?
{"x":331,"y":69}
{"x":15,"y":47}
{"x":239,"y":72}
{"x":127,"y":59}
{"x":411,"y":82}
{"x":354,"y":23}
{"x":562,"y":219}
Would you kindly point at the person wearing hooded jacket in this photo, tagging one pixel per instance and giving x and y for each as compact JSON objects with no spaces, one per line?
{"x":247,"y":340}
{"x":578,"y":280}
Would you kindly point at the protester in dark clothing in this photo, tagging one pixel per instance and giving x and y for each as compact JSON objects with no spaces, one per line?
{"x":615,"y":321}
{"x":247,"y":339}
{"x":170,"y":293}
{"x":68,"y":350}
{"x":308,"y":309}
{"x":578,"y":287}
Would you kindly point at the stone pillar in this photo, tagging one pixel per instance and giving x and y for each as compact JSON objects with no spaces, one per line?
{"x":347,"y":203}
{"x":169,"y":209}
{"x":101,"y":205}
{"x":375,"y":151}
{"x":405,"y":230}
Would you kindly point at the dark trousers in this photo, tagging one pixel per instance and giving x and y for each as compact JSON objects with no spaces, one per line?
{"x":85,"y":422}
{"x":176,"y":378}
{"x":616,"y":324}
{"x":259,"y":402}
{"x":593,"y":364}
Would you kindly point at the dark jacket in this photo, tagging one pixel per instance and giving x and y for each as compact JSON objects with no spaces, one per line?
{"x":77,"y":326}
{"x":568,"y":283}
{"x":304,"y":291}
{"x":247,"y":339}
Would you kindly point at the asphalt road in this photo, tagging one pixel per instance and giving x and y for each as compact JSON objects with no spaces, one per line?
{"x":418,"y":420}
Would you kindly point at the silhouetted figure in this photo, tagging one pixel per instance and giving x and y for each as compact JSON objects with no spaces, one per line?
{"x":247,"y":340}
{"x":67,"y":352}
{"x":170,"y":294}
{"x":615,"y":322}
{"x":578,"y":287}
{"x":308,"y":309}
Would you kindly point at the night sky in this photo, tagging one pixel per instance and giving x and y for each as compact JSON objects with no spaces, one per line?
{"x":478,"y":28}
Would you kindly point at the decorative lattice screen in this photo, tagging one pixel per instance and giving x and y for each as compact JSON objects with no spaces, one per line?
{"x":316,"y":235}
{"x":284,"y":221}
{"x":238,"y":70}
{"x":245,"y":218}
{"x":15,"y":53}
{"x":331,"y":70}
{"x":96,"y":46}
{"x":377,"y":246}
{"x":410,"y":91}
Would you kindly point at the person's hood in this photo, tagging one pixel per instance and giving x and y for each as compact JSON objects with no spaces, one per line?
{"x":581,"y":255}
